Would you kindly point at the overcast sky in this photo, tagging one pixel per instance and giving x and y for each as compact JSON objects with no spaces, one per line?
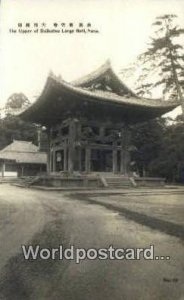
{"x":26,"y":59}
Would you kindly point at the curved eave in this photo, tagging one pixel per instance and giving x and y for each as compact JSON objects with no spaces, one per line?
{"x":93,"y":75}
{"x":113,"y":98}
{"x":106,"y":68}
{"x":61,"y":88}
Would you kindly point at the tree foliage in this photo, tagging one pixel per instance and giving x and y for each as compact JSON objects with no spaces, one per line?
{"x":12,"y":127}
{"x":160,"y":144}
{"x":160,"y":148}
{"x":170,"y":161}
{"x":147,"y":138}
{"x":16,"y":102}
{"x":162,"y":64}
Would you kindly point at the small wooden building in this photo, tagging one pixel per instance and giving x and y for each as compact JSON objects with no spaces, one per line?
{"x":89,"y":121}
{"x":22,"y":158}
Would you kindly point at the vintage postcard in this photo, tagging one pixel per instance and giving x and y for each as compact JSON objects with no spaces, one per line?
{"x":91,"y":150}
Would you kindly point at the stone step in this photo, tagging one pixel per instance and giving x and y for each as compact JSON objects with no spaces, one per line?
{"x":118,"y":182}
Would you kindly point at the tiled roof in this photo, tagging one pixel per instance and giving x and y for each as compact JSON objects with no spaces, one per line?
{"x":113,"y":97}
{"x":112,"y":91}
{"x":21,"y":146}
{"x":23,"y":152}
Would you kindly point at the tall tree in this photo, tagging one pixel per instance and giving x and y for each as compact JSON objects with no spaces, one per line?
{"x":159,"y":148}
{"x":162,"y":64}
{"x":12,"y":127}
{"x":16,"y":102}
{"x":169,"y":162}
{"x":147,"y":138}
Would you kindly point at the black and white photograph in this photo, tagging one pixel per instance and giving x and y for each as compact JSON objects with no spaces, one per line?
{"x":92,"y":150}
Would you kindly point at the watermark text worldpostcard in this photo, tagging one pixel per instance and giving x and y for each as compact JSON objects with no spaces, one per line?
{"x":36,"y":252}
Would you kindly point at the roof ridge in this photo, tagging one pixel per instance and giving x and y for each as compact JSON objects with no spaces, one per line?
{"x":100,"y":70}
{"x":106,"y":67}
{"x":30,"y":142}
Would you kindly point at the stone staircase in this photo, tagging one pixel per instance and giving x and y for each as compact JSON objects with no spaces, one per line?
{"x":120,"y":182}
{"x":29,"y":180}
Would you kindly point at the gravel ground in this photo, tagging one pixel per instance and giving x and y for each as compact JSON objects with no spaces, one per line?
{"x":88,"y":220}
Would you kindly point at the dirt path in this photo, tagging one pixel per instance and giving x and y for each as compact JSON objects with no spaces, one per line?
{"x":51,"y":219}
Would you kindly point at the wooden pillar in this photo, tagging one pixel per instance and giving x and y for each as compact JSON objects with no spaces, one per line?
{"x":78,"y":129}
{"x":79,"y":150}
{"x":50,"y":161}
{"x":70,"y":160}
{"x":102,"y":131}
{"x":122,"y":171}
{"x":125,"y":161}
{"x":3,"y":168}
{"x":125,"y":155}
{"x":115,"y":161}
{"x":122,"y":156}
{"x":80,"y":159}
{"x":49,"y":152}
{"x":88,"y":160}
{"x":54,"y":161}
{"x":22,"y":170}
{"x":71,"y":148}
{"x":65,"y":158}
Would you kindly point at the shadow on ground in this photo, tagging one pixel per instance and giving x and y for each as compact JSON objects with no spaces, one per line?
{"x":30,"y":279}
{"x":167,"y":227}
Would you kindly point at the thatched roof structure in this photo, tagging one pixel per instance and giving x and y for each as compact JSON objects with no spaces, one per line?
{"x":23,"y":152}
